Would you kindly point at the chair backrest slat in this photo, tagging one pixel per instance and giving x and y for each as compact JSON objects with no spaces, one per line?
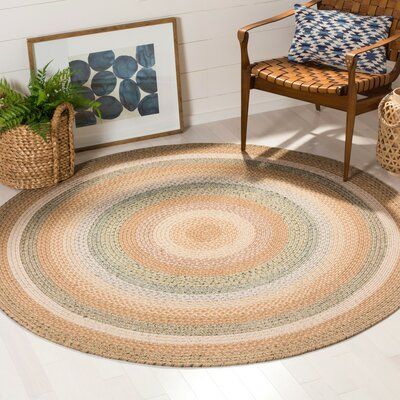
{"x":370,"y":7}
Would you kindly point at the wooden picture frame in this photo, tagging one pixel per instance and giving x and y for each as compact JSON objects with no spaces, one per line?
{"x":32,"y":43}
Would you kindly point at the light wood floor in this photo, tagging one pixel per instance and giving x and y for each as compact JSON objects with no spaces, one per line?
{"x":366,"y":367}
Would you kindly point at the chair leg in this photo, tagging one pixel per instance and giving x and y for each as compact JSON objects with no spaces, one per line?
{"x":350,"y":122}
{"x":318,"y":107}
{"x":246,"y":78}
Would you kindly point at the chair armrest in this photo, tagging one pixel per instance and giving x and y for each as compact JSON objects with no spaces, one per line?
{"x":352,"y":55}
{"x":244,"y":31}
{"x":351,"y":61}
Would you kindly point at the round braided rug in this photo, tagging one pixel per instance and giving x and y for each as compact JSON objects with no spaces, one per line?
{"x":198,"y":255}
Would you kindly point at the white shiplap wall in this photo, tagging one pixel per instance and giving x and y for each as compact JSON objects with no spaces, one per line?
{"x":208,"y":46}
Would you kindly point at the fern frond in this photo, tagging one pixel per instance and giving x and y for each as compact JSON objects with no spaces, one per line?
{"x":12,"y":112}
{"x":10,"y":122}
{"x":41,"y":75}
{"x":8,"y":95}
{"x":12,"y":116}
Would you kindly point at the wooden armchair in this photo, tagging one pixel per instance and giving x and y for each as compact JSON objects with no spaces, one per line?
{"x":323,"y":85}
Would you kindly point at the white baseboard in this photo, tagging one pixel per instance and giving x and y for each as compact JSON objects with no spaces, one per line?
{"x":234,"y":112}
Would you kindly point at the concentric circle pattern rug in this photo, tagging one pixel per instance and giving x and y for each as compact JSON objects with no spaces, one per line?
{"x":199,"y":255}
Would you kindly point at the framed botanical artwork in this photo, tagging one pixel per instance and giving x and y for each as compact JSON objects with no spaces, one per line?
{"x":132,"y":70}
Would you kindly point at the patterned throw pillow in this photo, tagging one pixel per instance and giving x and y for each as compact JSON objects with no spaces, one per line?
{"x":326,"y":37}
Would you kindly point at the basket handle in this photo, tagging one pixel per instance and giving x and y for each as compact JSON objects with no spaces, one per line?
{"x":382,"y":117}
{"x":55,"y":122}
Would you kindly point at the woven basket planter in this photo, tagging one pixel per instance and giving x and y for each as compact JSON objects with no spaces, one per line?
{"x":29,"y":162}
{"x":388,"y":148}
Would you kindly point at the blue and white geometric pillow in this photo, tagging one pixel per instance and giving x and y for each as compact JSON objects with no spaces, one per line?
{"x":326,"y":37}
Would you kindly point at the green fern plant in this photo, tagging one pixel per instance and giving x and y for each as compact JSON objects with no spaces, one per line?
{"x":12,"y":107}
{"x":37,"y":108}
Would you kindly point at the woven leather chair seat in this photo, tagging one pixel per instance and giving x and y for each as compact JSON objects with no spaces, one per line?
{"x":314,"y":78}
